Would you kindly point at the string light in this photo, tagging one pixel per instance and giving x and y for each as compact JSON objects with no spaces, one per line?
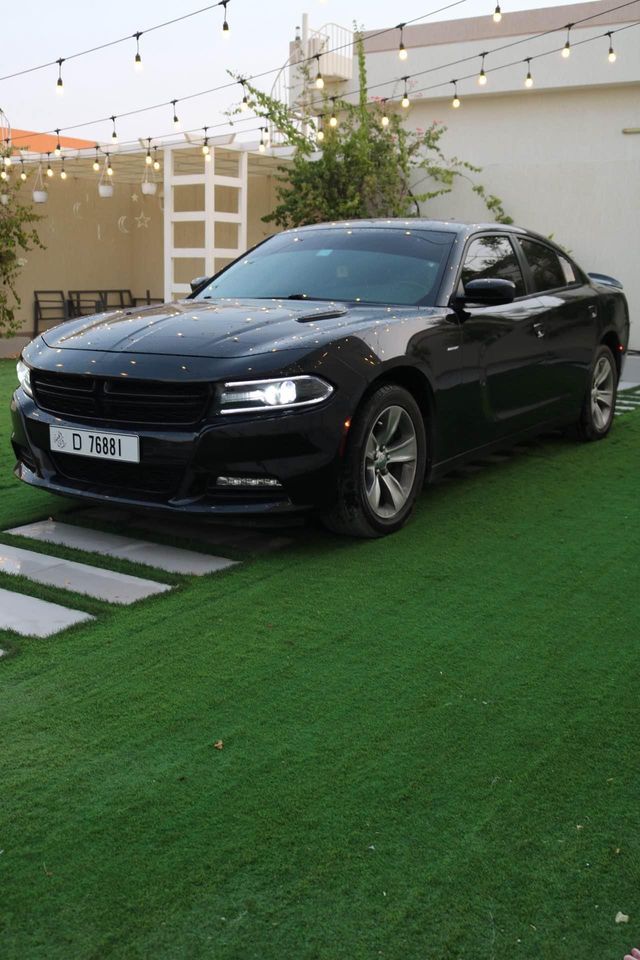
{"x":319,"y":78}
{"x":148,"y":161}
{"x":108,"y":166}
{"x":566,"y":50}
{"x":7,"y":160}
{"x":320,"y":131}
{"x":402,"y":50}
{"x":96,"y":162}
{"x":225,"y":25}
{"x":176,"y":121}
{"x":482,"y":77}
{"x":384,"y":119}
{"x":205,"y":145}
{"x":612,"y":54}
{"x":58,"y":149}
{"x":244,"y":106}
{"x":156,"y":162}
{"x":333,"y":120}
{"x":60,"y":84}
{"x":497,"y":14}
{"x":114,"y":133}
{"x":405,"y":102}
{"x":455,"y":103}
{"x":63,"y":172}
{"x":49,"y":170}
{"x":137,"y":61}
{"x":262,"y":145}
{"x":23,"y":175}
{"x":528,"y":80}
{"x":4,"y":175}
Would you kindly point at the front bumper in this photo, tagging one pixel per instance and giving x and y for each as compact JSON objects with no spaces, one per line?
{"x":178,"y":469}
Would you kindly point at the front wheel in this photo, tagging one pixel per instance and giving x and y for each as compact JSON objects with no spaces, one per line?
{"x":596,"y":416}
{"x":383,"y":468}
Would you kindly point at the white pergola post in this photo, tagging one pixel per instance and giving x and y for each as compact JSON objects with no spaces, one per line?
{"x":213,"y":257}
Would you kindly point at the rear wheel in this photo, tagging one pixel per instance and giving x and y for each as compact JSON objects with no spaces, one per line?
{"x":599,"y":403}
{"x":383,"y":468}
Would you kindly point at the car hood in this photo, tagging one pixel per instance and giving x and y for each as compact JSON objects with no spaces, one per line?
{"x":221,"y":328}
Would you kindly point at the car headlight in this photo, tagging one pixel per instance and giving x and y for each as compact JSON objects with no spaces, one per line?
{"x":248,"y":396}
{"x":24,"y":377}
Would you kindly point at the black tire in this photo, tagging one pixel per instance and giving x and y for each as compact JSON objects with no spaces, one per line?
{"x":392,"y":473}
{"x":595,"y":419}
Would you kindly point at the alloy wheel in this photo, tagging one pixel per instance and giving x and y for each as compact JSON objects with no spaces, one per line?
{"x":390,"y":462}
{"x":602,"y":393}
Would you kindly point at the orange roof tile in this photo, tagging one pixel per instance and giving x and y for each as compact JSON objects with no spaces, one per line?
{"x":44,"y":142}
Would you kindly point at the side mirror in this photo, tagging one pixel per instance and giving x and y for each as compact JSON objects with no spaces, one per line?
{"x":198,"y":282}
{"x":489,"y":292}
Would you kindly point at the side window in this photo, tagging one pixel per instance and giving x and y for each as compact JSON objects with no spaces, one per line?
{"x":492,"y":258}
{"x":548,"y":270}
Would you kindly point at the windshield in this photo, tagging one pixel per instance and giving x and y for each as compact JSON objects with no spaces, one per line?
{"x":366,"y":265}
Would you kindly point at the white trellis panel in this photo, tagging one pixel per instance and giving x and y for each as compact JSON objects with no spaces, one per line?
{"x":209,"y":253}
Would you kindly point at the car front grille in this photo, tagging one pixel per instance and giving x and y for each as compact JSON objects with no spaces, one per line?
{"x":120,"y":401}
{"x":157,"y":481}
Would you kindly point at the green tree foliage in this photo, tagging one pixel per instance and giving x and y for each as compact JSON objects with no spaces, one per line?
{"x":362,"y":168}
{"x":17,"y":236}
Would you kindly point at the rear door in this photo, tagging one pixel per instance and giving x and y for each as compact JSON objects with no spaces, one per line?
{"x":503,"y":352}
{"x":567,"y":322}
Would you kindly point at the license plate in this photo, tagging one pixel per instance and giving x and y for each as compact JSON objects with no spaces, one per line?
{"x":94,"y":443}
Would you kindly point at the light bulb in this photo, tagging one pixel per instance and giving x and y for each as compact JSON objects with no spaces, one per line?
{"x":148,"y":159}
{"x":23,"y":176}
{"x":612,"y":55}
{"x":402,"y":51}
{"x":59,"y":87}
{"x":455,"y":103}
{"x":137,"y":63}
{"x":176,"y":123}
{"x":58,"y":149}
{"x":156,"y":164}
{"x":320,"y":135}
{"x":482,"y":78}
{"x":262,"y":147}
{"x":205,"y":148}
{"x":244,"y":106}
{"x":207,"y":157}
{"x":3,"y":175}
{"x":7,"y":161}
{"x":333,"y":121}
{"x":528,"y":81}
{"x":63,"y":174}
{"x":96,"y":165}
{"x":225,"y":30}
{"x":49,"y":172}
{"x":384,"y":120}
{"x":109,"y":171}
{"x":319,"y":82}
{"x":405,"y":102}
{"x":497,"y":14}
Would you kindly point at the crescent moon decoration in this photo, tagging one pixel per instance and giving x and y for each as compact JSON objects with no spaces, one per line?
{"x":122,"y":225}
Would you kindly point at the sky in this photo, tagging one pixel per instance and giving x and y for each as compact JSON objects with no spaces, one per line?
{"x":177,"y":61}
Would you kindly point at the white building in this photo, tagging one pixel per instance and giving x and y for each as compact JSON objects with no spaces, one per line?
{"x":564,"y":154}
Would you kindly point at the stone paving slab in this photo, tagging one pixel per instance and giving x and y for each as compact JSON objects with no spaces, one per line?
{"x":36,"y":618}
{"x":170,"y":559}
{"x":68,"y":575}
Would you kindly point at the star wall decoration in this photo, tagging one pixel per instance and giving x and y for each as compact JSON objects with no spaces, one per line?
{"x":134,"y":197}
{"x":142,"y":220}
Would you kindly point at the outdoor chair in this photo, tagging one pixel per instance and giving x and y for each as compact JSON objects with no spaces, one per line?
{"x":117,"y":299}
{"x":49,"y":306}
{"x":84,"y":302}
{"x":148,"y":300}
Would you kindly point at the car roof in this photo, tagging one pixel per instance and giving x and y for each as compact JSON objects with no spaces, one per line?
{"x":460,"y":227}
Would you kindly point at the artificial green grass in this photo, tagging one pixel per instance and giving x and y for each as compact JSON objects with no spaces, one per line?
{"x":430,"y":742}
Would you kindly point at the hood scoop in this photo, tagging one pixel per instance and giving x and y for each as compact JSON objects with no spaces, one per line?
{"x":330,"y":313}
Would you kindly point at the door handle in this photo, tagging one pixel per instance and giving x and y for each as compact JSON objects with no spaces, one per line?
{"x":593,"y":311}
{"x":539,"y":329}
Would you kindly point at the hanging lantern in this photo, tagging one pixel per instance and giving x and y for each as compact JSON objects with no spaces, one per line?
{"x":148,"y":186}
{"x":105,"y":187}
{"x":40,"y":194}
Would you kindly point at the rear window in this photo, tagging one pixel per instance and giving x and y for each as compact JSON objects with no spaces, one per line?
{"x":548,"y":269}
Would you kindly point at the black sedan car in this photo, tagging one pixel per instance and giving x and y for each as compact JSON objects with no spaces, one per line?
{"x":331,"y":368}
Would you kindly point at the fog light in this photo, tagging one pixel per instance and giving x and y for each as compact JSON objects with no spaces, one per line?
{"x":261,"y":482}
